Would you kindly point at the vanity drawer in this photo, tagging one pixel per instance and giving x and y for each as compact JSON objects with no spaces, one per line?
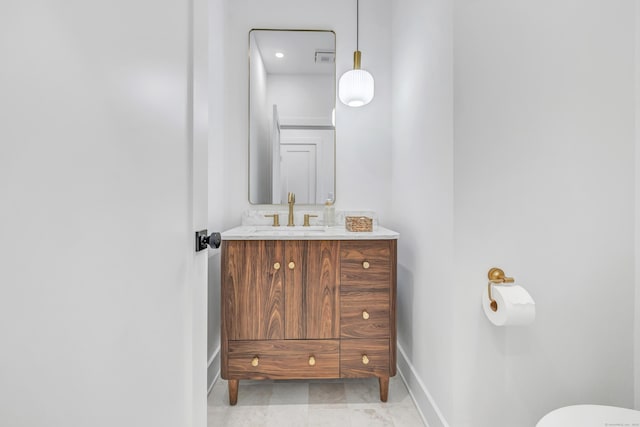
{"x":275,"y":359}
{"x":364,"y":314}
{"x":365,"y":264}
{"x":364,"y":358}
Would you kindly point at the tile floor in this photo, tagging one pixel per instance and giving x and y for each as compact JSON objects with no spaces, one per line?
{"x":311,"y":403}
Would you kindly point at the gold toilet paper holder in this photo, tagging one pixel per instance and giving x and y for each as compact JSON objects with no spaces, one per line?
{"x":496,"y":276}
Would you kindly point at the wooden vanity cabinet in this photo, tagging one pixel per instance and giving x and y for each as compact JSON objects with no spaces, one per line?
{"x":308,"y":309}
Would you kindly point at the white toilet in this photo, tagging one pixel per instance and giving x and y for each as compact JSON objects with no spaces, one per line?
{"x":590,"y":416}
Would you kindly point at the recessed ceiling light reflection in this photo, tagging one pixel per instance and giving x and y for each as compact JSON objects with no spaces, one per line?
{"x":279,"y":55}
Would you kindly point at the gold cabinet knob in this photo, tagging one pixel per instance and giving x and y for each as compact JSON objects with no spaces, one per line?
{"x":365,"y":359}
{"x":276,"y":266}
{"x":365,"y":314}
{"x":292,"y":265}
{"x":365,"y":265}
{"x":312,"y":361}
{"x":255,"y":361}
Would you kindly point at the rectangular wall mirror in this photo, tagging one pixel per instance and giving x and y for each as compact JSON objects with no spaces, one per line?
{"x":291,"y":116}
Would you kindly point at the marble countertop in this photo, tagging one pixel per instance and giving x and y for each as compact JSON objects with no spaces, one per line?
{"x":262,"y":232}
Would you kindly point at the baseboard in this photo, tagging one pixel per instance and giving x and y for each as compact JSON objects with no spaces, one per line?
{"x":427,"y":408}
{"x":213,"y":369}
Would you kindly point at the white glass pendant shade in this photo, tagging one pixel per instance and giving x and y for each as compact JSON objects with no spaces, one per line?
{"x":356,"y":88}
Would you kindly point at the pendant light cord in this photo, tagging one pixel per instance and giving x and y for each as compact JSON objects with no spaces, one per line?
{"x":357,"y":23}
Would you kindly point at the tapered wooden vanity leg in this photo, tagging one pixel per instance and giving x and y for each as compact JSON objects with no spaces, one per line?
{"x":233,"y":392}
{"x":384,"y":388}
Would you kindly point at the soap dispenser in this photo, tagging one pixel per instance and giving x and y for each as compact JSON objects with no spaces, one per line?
{"x":329,"y":213}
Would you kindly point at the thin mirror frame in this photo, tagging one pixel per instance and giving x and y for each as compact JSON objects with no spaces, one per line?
{"x":249,"y":113}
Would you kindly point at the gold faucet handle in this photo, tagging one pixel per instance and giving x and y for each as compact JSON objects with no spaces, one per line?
{"x":276,"y":219}
{"x":291,"y":197}
{"x":306,"y":219}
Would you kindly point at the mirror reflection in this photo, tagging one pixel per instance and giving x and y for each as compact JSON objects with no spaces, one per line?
{"x":291,"y":116}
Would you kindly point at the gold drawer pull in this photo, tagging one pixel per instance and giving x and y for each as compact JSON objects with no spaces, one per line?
{"x":276,"y":266}
{"x":366,"y":265}
{"x":255,"y":361}
{"x":365,"y":359}
{"x":292,"y":265}
{"x":312,"y":361}
{"x":365,"y":314}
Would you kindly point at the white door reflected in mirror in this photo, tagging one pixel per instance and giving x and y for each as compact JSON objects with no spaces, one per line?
{"x":298,"y":172}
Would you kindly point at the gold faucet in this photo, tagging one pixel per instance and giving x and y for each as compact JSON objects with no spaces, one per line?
{"x":292,"y":200}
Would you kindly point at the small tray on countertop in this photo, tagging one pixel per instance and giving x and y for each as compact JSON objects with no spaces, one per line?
{"x":358,"y":223}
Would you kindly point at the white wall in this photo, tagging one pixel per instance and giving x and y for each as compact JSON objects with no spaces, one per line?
{"x":261,"y":112}
{"x":546,"y":92}
{"x":544,"y":188}
{"x":422,"y":197}
{"x":542,"y":185}
{"x":292,"y":92}
{"x":362,"y":135}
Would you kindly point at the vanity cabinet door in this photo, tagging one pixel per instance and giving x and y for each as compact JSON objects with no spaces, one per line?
{"x":312,"y":291}
{"x":274,"y":289}
{"x":253,"y":289}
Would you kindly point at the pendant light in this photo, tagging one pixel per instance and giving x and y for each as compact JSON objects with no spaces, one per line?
{"x":356,"y":87}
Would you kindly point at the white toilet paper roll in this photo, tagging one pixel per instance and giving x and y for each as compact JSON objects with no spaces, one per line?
{"x":515,"y":305}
